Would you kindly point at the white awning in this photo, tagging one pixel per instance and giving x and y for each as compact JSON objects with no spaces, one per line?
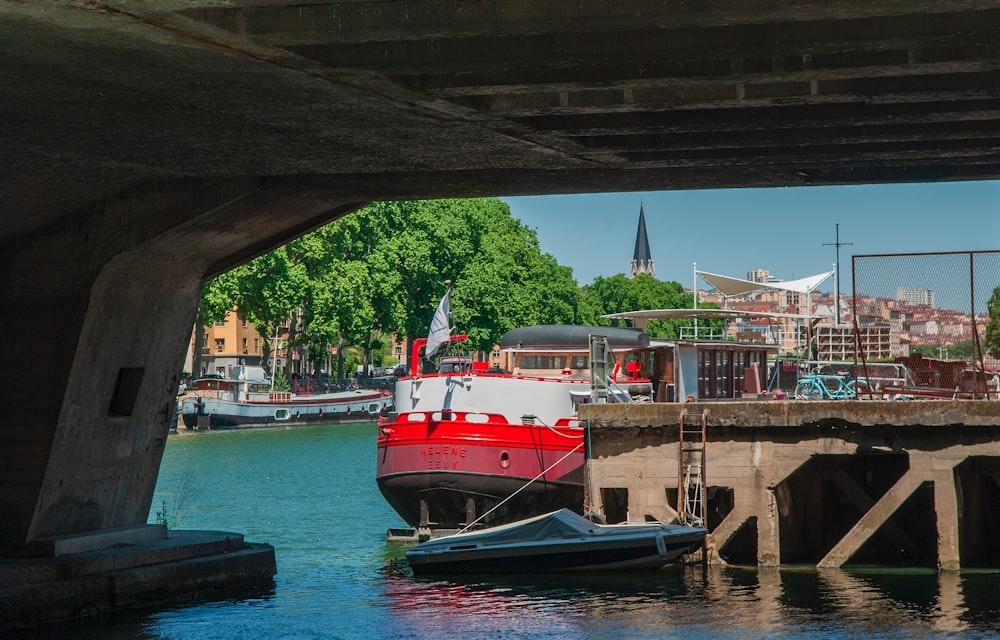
{"x":731,"y":286}
{"x":728,"y":286}
{"x":699,"y":314}
{"x":803,"y":285}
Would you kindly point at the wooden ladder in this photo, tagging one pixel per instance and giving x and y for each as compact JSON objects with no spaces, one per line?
{"x":691,"y":470}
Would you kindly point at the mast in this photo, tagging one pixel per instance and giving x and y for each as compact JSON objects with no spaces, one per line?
{"x":836,"y":284}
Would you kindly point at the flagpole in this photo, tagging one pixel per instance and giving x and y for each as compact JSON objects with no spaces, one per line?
{"x":694,"y":295}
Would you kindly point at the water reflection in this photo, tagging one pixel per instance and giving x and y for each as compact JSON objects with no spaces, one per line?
{"x":687,"y":602}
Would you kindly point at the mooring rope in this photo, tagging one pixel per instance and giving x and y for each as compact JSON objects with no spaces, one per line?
{"x":501,"y":503}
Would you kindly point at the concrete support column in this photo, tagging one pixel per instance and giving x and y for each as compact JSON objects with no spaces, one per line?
{"x":87,"y":427}
{"x":120,"y":395}
{"x":768,"y":531}
{"x":109,"y":295}
{"x":946,"y":510}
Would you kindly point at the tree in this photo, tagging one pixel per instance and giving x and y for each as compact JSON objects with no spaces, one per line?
{"x":271,"y":289}
{"x":500,"y":277}
{"x":619,"y":294}
{"x":991,"y":336}
{"x":382,"y":270}
{"x":218,"y":297}
{"x":507,"y":281}
{"x":336,"y":304}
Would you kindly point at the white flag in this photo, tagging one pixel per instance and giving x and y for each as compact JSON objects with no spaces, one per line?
{"x":440,"y":330}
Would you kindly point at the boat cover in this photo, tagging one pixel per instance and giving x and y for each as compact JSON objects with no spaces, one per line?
{"x":550,"y":527}
{"x":562,"y":524}
{"x":564,"y":335}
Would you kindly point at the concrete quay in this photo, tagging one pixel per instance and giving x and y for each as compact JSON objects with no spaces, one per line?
{"x":826,"y":483}
{"x":150,"y":572}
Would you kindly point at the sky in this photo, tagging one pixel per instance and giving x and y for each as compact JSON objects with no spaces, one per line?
{"x":788,"y":231}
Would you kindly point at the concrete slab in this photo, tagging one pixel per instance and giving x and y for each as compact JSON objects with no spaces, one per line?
{"x":93,"y":540}
{"x":181,"y":566}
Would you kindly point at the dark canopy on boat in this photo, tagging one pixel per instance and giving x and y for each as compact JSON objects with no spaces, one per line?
{"x":562,"y":336}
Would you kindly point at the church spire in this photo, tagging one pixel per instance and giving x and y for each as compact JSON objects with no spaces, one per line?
{"x":642,"y":262}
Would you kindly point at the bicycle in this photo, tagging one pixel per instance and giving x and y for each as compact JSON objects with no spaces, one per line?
{"x":817,"y":386}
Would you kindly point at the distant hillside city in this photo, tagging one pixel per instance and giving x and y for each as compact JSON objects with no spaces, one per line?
{"x":909,"y":318}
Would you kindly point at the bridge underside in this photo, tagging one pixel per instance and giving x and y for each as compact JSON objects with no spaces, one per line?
{"x":149,"y":145}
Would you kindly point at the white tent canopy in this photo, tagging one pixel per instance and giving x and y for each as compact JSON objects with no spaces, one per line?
{"x":729,"y":286}
{"x":699,"y":314}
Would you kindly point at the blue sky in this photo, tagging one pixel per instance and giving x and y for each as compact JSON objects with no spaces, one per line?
{"x":783,"y":230}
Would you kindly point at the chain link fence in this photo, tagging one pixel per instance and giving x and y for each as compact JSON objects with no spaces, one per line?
{"x":927,"y":314}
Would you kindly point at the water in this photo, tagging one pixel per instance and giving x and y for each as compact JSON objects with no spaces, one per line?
{"x":310,"y":491}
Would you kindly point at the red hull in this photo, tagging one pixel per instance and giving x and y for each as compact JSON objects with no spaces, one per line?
{"x":445,"y":469}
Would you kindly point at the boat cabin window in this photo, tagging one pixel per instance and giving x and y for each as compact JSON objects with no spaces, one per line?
{"x":542,"y":361}
{"x":579,"y":362}
{"x":454,"y":365}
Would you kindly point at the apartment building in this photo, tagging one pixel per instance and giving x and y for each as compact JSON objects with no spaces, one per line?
{"x":226,"y":344}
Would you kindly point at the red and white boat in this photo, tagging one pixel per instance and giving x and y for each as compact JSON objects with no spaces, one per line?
{"x":469,"y":443}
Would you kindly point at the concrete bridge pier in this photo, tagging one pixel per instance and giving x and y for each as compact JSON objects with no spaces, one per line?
{"x":109,"y":297}
{"x":827,"y":484}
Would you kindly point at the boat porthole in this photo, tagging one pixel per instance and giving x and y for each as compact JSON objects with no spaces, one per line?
{"x":373,"y":407}
{"x":281,"y":414}
{"x":504,"y":459}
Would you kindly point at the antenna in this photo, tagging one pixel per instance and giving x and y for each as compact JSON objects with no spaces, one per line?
{"x":836,"y":283}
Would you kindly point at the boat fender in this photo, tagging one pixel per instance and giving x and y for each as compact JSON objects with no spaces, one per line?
{"x":661,"y":545}
{"x":592,"y":514}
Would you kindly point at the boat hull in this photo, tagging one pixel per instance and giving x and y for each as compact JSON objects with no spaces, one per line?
{"x":639,"y":557}
{"x":450,"y":468}
{"x":446,"y":497}
{"x":216,"y":413}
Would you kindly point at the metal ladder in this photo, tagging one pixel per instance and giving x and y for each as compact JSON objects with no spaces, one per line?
{"x":691,"y":470}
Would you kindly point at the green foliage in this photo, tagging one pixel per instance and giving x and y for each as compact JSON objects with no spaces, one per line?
{"x":281,"y":382}
{"x":218,"y":297}
{"x":382,"y":269}
{"x":991,"y":336}
{"x":353,"y":357}
{"x":163,"y":515}
{"x":962,"y":350}
{"x":619,"y":293}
